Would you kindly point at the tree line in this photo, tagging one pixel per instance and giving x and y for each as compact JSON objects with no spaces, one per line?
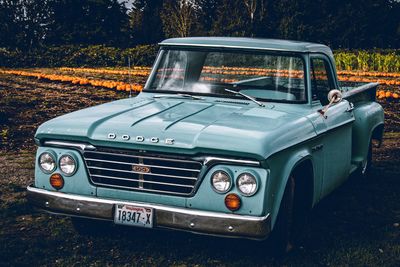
{"x":32,"y":24}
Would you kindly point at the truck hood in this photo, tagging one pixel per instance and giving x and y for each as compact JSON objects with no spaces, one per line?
{"x":196,"y":126}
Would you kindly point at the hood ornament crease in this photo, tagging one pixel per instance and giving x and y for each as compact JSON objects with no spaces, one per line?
{"x":156,"y":113}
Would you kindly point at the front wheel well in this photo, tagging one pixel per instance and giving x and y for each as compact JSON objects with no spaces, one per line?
{"x":303,"y":174}
{"x":294,"y":208}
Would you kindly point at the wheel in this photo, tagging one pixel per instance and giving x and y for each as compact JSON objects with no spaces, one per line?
{"x":90,"y":227}
{"x":291,"y":219}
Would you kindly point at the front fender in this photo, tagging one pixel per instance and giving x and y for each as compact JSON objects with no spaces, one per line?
{"x":281,"y":166}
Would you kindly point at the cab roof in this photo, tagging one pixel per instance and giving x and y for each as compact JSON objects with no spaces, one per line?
{"x":250,"y":43}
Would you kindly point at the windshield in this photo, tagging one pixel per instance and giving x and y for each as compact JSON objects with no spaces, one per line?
{"x":263,"y":76}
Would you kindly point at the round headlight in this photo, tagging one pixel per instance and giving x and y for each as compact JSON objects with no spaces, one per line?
{"x":47,"y":162}
{"x":67,"y":164}
{"x":221,"y":181}
{"x":247,"y":184}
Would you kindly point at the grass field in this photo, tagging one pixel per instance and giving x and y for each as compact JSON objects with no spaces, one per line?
{"x":357,"y":225}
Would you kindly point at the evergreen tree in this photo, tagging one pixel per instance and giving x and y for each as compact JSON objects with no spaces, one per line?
{"x":8,"y":26}
{"x":23,"y":23}
{"x":231,"y":19}
{"x":207,"y":14}
{"x":88,"y":22}
{"x":145,"y":21}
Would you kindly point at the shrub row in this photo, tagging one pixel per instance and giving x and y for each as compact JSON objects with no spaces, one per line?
{"x":364,"y":60}
{"x":104,"y":56}
{"x":78,"y":56}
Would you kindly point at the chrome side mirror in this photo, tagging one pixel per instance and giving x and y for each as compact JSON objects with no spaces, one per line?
{"x":334,"y":96}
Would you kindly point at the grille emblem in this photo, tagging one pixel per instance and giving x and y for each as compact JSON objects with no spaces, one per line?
{"x":141,"y":169}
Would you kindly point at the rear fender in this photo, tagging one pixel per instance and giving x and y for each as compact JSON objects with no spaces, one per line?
{"x":368,"y":125}
{"x":377,"y":134}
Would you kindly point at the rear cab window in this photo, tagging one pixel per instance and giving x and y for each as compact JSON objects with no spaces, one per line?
{"x":321,"y":76}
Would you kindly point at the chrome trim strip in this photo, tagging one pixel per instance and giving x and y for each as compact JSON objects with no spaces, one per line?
{"x":206,"y":160}
{"x":142,"y":181}
{"x":140,"y":189}
{"x":144,"y":165}
{"x":151,"y":174}
{"x":146,"y":157}
{"x":228,"y":46}
{"x":197,"y":221}
{"x":81,"y":146}
{"x":210,"y":160}
{"x":141,"y":178}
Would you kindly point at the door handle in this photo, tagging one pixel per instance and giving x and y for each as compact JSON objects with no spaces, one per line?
{"x":350,"y":108}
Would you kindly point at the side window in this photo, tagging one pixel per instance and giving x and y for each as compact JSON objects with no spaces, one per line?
{"x":321,"y":80}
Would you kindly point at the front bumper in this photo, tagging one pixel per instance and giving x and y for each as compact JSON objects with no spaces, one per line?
{"x":204,"y":222}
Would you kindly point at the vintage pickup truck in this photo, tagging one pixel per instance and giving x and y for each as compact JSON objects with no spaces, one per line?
{"x":235,"y":137}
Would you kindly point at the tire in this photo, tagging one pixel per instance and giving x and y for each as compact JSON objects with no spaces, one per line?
{"x":90,"y":227}
{"x":291,"y":220}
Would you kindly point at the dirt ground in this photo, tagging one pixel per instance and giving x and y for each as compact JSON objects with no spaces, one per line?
{"x":357,"y":225}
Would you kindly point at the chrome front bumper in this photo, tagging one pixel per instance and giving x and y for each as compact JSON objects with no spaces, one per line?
{"x":204,"y":222}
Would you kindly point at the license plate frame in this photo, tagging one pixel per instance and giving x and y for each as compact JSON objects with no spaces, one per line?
{"x":132,"y":215}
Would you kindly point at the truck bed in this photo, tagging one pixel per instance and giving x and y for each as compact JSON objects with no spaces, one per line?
{"x":358,"y":91}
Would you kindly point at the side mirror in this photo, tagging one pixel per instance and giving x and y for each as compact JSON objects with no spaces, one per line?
{"x":334,"y":96}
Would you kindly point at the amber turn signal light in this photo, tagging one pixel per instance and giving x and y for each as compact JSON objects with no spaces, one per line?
{"x":233,"y":202}
{"x":57,"y":181}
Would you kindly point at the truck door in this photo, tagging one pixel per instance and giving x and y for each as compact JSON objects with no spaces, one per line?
{"x":336,"y":129}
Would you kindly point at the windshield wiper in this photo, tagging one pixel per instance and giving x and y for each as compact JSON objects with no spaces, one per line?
{"x":246,"y":96}
{"x":179,"y":95}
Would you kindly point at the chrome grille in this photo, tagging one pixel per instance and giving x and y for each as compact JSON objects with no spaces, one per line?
{"x":133,"y":171}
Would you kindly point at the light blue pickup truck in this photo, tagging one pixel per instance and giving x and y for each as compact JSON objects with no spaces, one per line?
{"x":234,"y":137}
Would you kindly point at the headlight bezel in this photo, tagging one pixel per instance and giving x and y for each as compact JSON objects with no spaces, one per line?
{"x":226,"y":173}
{"x":73,"y":159}
{"x":256,"y":181}
{"x":53,"y":157}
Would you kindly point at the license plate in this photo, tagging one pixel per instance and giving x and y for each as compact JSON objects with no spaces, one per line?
{"x":133,"y":215}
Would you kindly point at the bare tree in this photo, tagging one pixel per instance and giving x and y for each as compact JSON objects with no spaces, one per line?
{"x":251,"y":6}
{"x":178,"y":17}
{"x":262,"y":9}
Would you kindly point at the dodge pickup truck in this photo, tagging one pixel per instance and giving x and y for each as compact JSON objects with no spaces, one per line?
{"x":234,"y":137}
